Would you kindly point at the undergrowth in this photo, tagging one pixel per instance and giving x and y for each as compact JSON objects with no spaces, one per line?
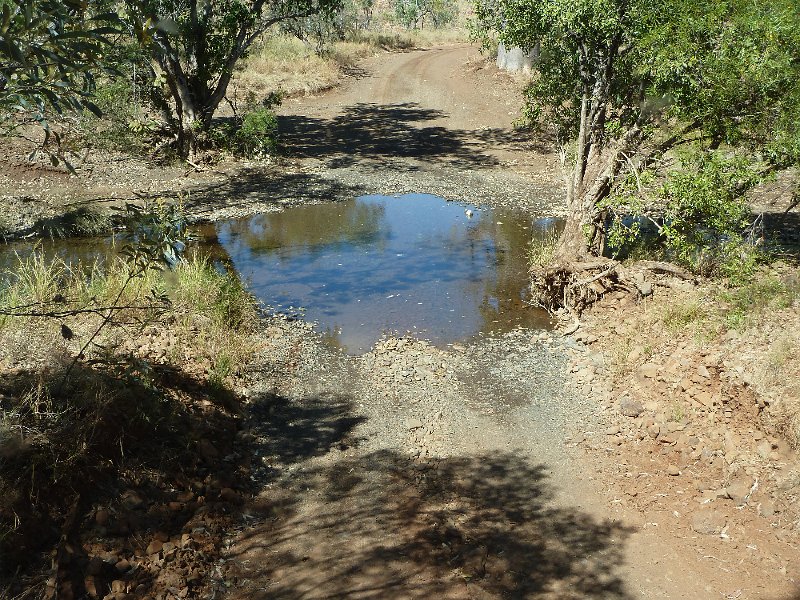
{"x":184,"y":335}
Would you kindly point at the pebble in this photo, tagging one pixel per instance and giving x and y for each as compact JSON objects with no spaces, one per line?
{"x":413,"y":424}
{"x":649,"y":370}
{"x":708,"y":521}
{"x":154,"y":547}
{"x":630,"y":408}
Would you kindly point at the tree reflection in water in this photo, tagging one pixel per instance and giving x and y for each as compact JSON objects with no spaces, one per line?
{"x":413,"y":263}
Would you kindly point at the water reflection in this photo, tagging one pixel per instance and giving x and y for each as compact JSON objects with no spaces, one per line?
{"x":413,"y":263}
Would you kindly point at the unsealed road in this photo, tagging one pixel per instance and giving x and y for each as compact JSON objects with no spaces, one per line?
{"x":458,"y":485}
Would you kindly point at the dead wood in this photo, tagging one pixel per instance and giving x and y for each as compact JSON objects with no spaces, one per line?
{"x":663,"y":267}
{"x":574,"y":286}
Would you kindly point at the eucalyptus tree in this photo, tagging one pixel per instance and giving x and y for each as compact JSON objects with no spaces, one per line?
{"x":195,"y":45}
{"x":623,"y":81}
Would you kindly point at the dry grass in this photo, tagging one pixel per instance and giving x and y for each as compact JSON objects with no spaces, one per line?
{"x":284,"y":63}
{"x":128,"y":400}
{"x":200,"y":299}
{"x":541,"y":250}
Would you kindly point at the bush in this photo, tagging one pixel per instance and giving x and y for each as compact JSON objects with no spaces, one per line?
{"x":413,"y":13}
{"x":127,"y":122}
{"x":706,"y":216}
{"x":705,"y":221}
{"x":258,"y":134}
{"x":254,"y":135}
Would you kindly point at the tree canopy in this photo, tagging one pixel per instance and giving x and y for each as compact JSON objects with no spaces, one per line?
{"x":623,"y":81}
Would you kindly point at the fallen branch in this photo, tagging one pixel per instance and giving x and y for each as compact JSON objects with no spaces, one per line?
{"x":596,"y":277}
{"x":664,"y":267}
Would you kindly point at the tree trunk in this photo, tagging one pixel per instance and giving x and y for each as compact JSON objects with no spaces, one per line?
{"x":583,"y":238}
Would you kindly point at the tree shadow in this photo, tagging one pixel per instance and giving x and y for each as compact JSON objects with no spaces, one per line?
{"x":265,"y":186}
{"x":394,"y":137}
{"x":292,"y":431}
{"x":153,"y":449}
{"x":782,"y":230}
{"x":380,"y":524}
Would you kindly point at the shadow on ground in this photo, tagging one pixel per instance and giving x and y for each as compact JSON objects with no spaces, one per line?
{"x":342,"y":522}
{"x":387,"y":136}
{"x":271,"y":186}
{"x":782,"y":230}
{"x":110,"y":438}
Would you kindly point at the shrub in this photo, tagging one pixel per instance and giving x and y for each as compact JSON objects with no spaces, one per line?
{"x":254,"y":135}
{"x":706,"y":216}
{"x":258,"y":134}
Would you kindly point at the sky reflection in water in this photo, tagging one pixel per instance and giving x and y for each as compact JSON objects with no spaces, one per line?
{"x":414,"y":263}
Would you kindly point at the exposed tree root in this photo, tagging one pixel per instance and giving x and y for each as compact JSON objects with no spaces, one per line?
{"x":576,"y":286}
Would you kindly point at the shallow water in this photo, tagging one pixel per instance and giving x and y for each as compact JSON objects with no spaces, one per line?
{"x":372,"y":265}
{"x":415,"y":263}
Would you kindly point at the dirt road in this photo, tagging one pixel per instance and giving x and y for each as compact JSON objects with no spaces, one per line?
{"x":413,"y":472}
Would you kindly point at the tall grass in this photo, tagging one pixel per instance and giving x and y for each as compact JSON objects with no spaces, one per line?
{"x":542,"y":249}
{"x":210,"y":310}
{"x":284,"y":63}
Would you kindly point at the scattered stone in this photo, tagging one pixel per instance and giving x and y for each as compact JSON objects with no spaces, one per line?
{"x":645,"y":288}
{"x":705,"y":399}
{"x":413,"y":424}
{"x":703,"y":372}
{"x":207,"y":450}
{"x":186,"y":496}
{"x":673,"y":471}
{"x":154,"y":547}
{"x":132,"y":500}
{"x":630,"y":408}
{"x":739,"y":490}
{"x":117,"y":586}
{"x":101,"y":517}
{"x":673,"y":426}
{"x":161,"y":536}
{"x":91,"y":586}
{"x":766,"y":508}
{"x":95,"y":566}
{"x":168,"y":548}
{"x":765,"y":449}
{"x":708,"y":521}
{"x":613,"y":430}
{"x":649,"y":370}
{"x":635,"y":354}
{"x":230,"y":495}
{"x":123,"y":566}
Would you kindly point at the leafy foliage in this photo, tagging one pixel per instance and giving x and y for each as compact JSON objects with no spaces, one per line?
{"x":414,"y":13}
{"x":50,"y":52}
{"x":321,"y":31}
{"x":253,"y":134}
{"x":623,"y":82}
{"x":258,"y":134}
{"x":155,"y":237}
{"x":706,"y":215}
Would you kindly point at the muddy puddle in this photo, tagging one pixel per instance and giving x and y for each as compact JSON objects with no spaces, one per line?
{"x":442,"y":271}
